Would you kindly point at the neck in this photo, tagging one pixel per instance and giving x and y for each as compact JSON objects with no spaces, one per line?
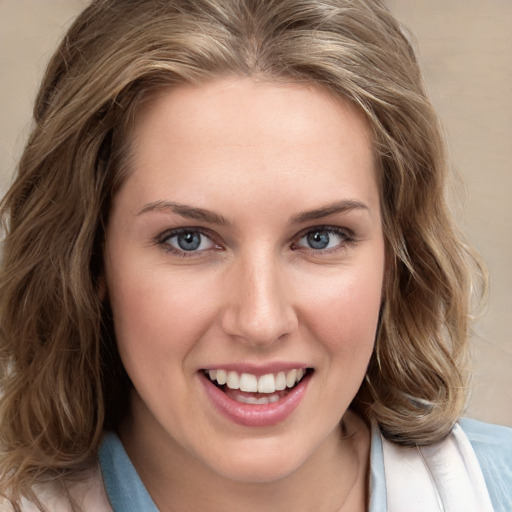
{"x":333,"y":479}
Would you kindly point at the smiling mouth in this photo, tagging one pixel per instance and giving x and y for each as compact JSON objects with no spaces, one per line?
{"x":247,"y":388}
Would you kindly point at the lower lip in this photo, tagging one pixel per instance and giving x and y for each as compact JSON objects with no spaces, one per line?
{"x":257,"y":415}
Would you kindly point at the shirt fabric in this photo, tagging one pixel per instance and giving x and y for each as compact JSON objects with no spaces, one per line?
{"x":492,"y":445}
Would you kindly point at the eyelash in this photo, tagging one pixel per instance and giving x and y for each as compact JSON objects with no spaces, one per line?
{"x":164,"y":238}
{"x":345,"y":234}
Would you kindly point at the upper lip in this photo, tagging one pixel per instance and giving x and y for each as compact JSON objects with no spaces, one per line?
{"x":258,"y":369}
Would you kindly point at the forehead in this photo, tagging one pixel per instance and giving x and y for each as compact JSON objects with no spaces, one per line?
{"x":244,"y":133}
{"x":262,"y":104}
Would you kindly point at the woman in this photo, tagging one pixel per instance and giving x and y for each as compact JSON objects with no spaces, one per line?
{"x":229,"y":276}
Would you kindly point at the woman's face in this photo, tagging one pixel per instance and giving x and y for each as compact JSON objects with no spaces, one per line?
{"x":246,"y":244}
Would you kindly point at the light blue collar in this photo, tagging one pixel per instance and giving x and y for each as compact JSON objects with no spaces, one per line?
{"x":125,"y":490}
{"x":378,"y":496}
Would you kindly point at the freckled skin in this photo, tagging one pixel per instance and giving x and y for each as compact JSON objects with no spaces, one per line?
{"x":256,"y":154}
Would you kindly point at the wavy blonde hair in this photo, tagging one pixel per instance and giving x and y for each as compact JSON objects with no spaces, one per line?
{"x":62,"y":381}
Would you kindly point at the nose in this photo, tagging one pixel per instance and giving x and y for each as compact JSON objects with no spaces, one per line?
{"x":259,"y":310}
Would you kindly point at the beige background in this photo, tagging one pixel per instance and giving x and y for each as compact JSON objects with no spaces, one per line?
{"x":466,"y":50}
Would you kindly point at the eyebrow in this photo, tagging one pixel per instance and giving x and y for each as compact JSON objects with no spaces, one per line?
{"x":183,"y":210}
{"x":343,"y":206}
{"x":191,"y":212}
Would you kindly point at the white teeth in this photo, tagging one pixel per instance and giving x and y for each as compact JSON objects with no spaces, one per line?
{"x":291,"y":377}
{"x":256,"y":401}
{"x":222,"y":377}
{"x":266,"y":383}
{"x":249,"y":383}
{"x":233,"y":381}
{"x":280,"y":381}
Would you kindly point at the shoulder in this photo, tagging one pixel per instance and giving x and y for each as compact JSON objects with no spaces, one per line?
{"x":89,"y":494}
{"x":490,"y":442}
{"x":492,"y":445}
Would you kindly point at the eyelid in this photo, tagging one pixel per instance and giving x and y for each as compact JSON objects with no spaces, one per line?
{"x":347,"y":234}
{"x":168,"y":233}
{"x":162,"y":238}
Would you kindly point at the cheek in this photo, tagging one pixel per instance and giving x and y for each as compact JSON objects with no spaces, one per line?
{"x":343,"y":309}
{"x":157,"y":316}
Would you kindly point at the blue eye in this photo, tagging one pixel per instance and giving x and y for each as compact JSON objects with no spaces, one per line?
{"x":318,"y":239}
{"x":323,"y":238}
{"x":188,"y":240}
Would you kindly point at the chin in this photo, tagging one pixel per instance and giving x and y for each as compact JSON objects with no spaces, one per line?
{"x":260,"y":464}
{"x":261,"y":472}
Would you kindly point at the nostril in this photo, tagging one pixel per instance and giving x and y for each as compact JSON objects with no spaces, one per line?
{"x":257,"y":328}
